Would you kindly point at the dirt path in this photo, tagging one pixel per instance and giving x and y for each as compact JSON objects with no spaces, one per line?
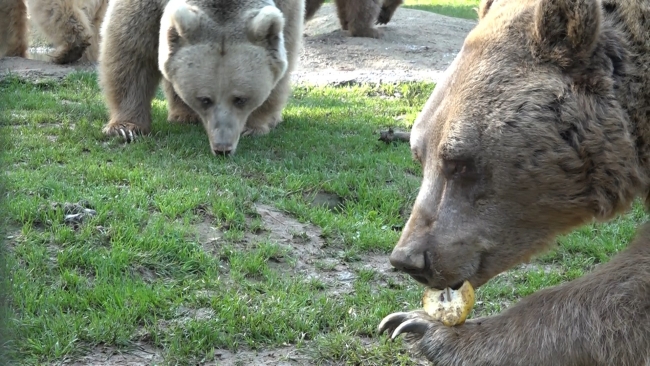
{"x":416,"y":45}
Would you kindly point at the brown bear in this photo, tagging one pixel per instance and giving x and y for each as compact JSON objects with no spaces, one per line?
{"x":13,"y":28}
{"x":540,"y":125}
{"x":226,"y":63}
{"x":71,"y":25}
{"x":358,"y":16}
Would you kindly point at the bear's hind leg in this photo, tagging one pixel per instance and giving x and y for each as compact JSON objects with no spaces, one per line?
{"x":128,"y":67}
{"x":13,"y":28}
{"x":362,"y":15}
{"x":177,"y":110}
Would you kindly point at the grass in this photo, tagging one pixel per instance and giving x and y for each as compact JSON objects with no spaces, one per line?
{"x":453,"y":8}
{"x":125,"y":275}
{"x":139,"y":272}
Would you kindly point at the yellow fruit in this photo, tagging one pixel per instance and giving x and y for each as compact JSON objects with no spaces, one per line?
{"x":449,"y":306}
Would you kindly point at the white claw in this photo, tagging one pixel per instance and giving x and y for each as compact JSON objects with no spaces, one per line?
{"x":410,"y":326}
{"x":131,"y":136}
{"x":123,"y":134}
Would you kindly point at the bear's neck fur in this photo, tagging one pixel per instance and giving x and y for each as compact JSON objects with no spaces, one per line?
{"x":626,"y":30}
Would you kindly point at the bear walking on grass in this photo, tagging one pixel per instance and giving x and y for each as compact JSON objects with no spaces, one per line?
{"x":72,"y":26}
{"x":540,"y":125}
{"x":358,"y":16}
{"x":225,"y":63}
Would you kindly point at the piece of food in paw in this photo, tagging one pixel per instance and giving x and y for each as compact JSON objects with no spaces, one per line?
{"x":451,"y":307}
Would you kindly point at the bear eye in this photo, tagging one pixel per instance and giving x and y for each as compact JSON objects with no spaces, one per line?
{"x":462,"y":168}
{"x":205,"y":102}
{"x":239,"y":101}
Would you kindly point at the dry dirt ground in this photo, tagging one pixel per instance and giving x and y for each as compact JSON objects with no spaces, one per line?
{"x":415,"y":45}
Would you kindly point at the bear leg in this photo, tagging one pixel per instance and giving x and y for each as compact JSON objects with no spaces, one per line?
{"x":269,"y":114}
{"x":128,"y":67}
{"x":342,"y":12}
{"x":387,"y":10}
{"x":177,"y":110}
{"x":311,"y":7}
{"x":66,"y":26}
{"x":361,"y":16}
{"x":95,"y":11}
{"x":13,"y":28}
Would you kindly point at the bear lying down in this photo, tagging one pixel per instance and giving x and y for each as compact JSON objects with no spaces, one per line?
{"x":225,"y":63}
{"x":540,"y":125}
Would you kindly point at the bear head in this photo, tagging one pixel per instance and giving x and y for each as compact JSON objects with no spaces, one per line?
{"x":523,"y":139}
{"x":225,"y":70}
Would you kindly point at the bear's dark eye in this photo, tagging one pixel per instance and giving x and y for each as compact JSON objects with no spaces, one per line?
{"x":239,"y":101}
{"x":205,"y":102}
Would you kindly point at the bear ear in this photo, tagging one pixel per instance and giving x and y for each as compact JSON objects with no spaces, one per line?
{"x":483,"y":8}
{"x":265,"y":27}
{"x":566,"y":29}
{"x":180,"y":19}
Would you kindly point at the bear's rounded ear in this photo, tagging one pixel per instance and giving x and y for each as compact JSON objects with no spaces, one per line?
{"x":483,"y":8}
{"x":265,"y":25}
{"x":566,"y":30}
{"x":181,"y":19}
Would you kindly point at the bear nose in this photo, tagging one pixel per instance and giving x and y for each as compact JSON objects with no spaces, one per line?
{"x":222,"y":149}
{"x":407,"y":260}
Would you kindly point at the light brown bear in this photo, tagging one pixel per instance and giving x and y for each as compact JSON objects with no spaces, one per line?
{"x":358,"y":16}
{"x":541,"y":124}
{"x":72,"y":26}
{"x":13,"y":28}
{"x":226,"y":63}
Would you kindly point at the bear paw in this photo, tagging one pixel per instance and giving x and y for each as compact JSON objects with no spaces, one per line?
{"x":125,"y":130}
{"x":384,"y":16}
{"x":183,"y":118}
{"x":256,"y":131}
{"x":366,"y":32}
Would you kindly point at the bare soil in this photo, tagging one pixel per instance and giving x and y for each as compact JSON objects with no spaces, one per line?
{"x":415,"y":46}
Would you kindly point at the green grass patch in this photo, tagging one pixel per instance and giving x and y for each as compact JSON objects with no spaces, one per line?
{"x":140,"y":272}
{"x":453,"y":8}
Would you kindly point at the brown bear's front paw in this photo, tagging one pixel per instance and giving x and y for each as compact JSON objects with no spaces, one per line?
{"x":69,"y":54}
{"x":184,"y":118}
{"x":262,"y":126}
{"x":384,"y":16}
{"x":414,"y":323}
{"x":365,"y":32}
{"x":125,"y":130}
{"x":256,"y":131}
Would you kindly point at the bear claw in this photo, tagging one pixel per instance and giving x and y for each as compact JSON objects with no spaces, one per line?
{"x":415,"y":322}
{"x":127,"y":131}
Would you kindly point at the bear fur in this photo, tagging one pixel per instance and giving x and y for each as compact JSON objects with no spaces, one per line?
{"x":13,"y":28}
{"x":358,"y":16}
{"x":225,"y":63}
{"x":72,"y":26}
{"x":540,"y":125}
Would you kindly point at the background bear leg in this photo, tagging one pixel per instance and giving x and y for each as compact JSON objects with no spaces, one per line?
{"x":13,"y":28}
{"x":311,"y":7}
{"x":177,"y":110}
{"x":128,"y":68}
{"x":387,"y":10}
{"x":342,"y":12}
{"x":361,"y":16}
{"x":95,"y":15}
{"x":63,"y":25}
